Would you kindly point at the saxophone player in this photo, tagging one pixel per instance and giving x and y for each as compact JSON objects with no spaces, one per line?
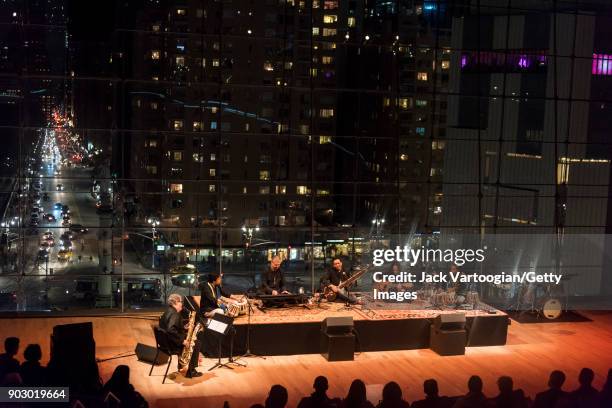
{"x":173,"y":324}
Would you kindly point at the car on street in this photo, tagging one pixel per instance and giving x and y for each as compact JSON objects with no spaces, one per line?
{"x":59,"y":187}
{"x":42,"y":255}
{"x":47,"y":234}
{"x":66,"y":244}
{"x":67,"y":235}
{"x":58,"y":206}
{"x":49,"y":239}
{"x":64,"y":255}
{"x":135,"y":289}
{"x":44,"y":245}
{"x":50,"y":217}
{"x":78,"y":228}
{"x":66,"y":222}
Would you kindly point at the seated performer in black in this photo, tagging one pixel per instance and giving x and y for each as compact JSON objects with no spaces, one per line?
{"x":273,"y":282}
{"x":173,"y":324}
{"x":212,"y":293}
{"x":333,"y":277}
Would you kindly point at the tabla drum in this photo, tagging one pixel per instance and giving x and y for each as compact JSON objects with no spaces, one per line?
{"x":552,"y":309}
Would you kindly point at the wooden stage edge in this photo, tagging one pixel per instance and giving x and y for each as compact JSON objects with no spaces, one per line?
{"x":531,"y":352}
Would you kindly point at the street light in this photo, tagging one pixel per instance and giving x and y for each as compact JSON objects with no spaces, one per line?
{"x":378,"y":222}
{"x":154,"y":223}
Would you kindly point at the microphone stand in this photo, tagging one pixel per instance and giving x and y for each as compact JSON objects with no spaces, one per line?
{"x":248,"y":352}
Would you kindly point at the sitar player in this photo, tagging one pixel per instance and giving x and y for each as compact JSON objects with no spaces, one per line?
{"x":332,"y":279}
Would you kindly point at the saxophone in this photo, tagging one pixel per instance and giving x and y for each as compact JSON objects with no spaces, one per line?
{"x":192,"y":334}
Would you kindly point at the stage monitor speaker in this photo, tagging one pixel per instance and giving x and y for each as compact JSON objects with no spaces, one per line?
{"x":450,"y":321}
{"x":73,"y":342}
{"x":447,"y":342}
{"x":338,"y":347}
{"x":147,"y":353}
{"x":337,"y":325}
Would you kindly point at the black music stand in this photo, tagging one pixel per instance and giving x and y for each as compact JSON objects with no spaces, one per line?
{"x":248,"y":336}
{"x":222,"y":325}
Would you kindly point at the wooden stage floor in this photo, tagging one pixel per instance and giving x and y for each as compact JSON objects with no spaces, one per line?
{"x":532,"y":351}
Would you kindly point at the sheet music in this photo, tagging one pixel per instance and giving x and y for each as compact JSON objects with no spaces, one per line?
{"x":217,"y":326}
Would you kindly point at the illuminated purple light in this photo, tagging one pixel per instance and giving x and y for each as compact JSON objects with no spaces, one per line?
{"x":512,"y":58}
{"x":524,"y":62}
{"x":463,"y":60}
{"x":602,"y":64}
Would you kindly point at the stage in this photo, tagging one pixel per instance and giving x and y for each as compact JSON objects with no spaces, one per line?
{"x":530,"y":353}
{"x":378,"y":327}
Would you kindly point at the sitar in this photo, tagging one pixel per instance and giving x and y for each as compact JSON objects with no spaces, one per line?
{"x":330,"y":295}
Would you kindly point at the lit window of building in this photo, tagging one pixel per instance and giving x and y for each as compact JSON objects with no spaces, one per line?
{"x":267,"y":66}
{"x":197,"y":126}
{"x":445,"y":64}
{"x":281,"y":189}
{"x":327,"y":60}
{"x":314,"y":72}
{"x":324,"y":139}
{"x":151,"y":170}
{"x":403,"y":157}
{"x":151,"y":143}
{"x":351,"y":22}
{"x":405,"y":103}
{"x":180,"y":61}
{"x":155,"y":28}
{"x":211,"y":188}
{"x":422,"y":76}
{"x":330,"y":4}
{"x":155,"y":54}
{"x":420,"y":103}
{"x":264,"y":175}
{"x":181,"y":12}
{"x":212,"y":172}
{"x":198,"y":158}
{"x":328,"y":32}
{"x":326,"y":113}
{"x":301,"y":190}
{"x":177,"y":155}
{"x":420,"y":131}
{"x":330,"y":18}
{"x":178,"y":125}
{"x":244,"y":190}
{"x":213,"y":125}
{"x":154,"y":105}
{"x":315,"y":30}
{"x":213,"y":157}
{"x":437,"y":145}
{"x":215,"y":62}
{"x":176,"y":188}
{"x":322,"y":192}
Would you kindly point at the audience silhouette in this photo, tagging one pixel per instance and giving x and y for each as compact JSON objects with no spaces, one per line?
{"x":319,"y":398}
{"x":554,"y":394}
{"x":357,"y":396}
{"x":392,"y":397}
{"x":432,"y":399}
{"x":8,"y":363}
{"x":278,"y":397}
{"x":508,"y":397}
{"x":474,"y":398}
{"x":585,"y":396}
{"x":32,"y":373}
{"x":119,"y":385}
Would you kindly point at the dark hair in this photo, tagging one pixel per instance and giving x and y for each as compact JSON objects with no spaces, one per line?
{"x":356,"y":394}
{"x":32,"y":352}
{"x":320,"y":384}
{"x":213,"y":276}
{"x":505,"y":384}
{"x":586,"y":376}
{"x":430,"y":387}
{"x":334,"y":258}
{"x":278,"y":397}
{"x":475,"y":384}
{"x":556,"y":380}
{"x":11,"y":345}
{"x":392,"y":392}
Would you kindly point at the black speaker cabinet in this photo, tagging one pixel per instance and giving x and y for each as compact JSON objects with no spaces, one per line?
{"x":450,"y":321}
{"x":147,"y":354}
{"x":337,"y":325}
{"x":73,"y":343}
{"x":338,"y":347}
{"x":447,"y":342}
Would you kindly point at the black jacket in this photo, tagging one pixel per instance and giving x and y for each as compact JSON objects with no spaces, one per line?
{"x":208,"y":298}
{"x":172,"y":323}
{"x":272,"y":280}
{"x":334,"y":277}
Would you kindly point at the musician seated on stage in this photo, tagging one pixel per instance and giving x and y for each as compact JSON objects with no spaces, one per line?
{"x":174,"y":325}
{"x":332,"y":279}
{"x":273,"y":282}
{"x":214,"y":298}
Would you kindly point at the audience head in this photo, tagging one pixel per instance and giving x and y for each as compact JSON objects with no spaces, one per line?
{"x":120,"y":377}
{"x":278,"y":397}
{"x":430,"y":387}
{"x":320,"y":384}
{"x":32,"y":353}
{"x":11,"y":380}
{"x":357,"y":392}
{"x":556,"y":380}
{"x":585,"y":378}
{"x":505,"y":384}
{"x":392,"y":392}
{"x":11,"y":345}
{"x":475,"y":384}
